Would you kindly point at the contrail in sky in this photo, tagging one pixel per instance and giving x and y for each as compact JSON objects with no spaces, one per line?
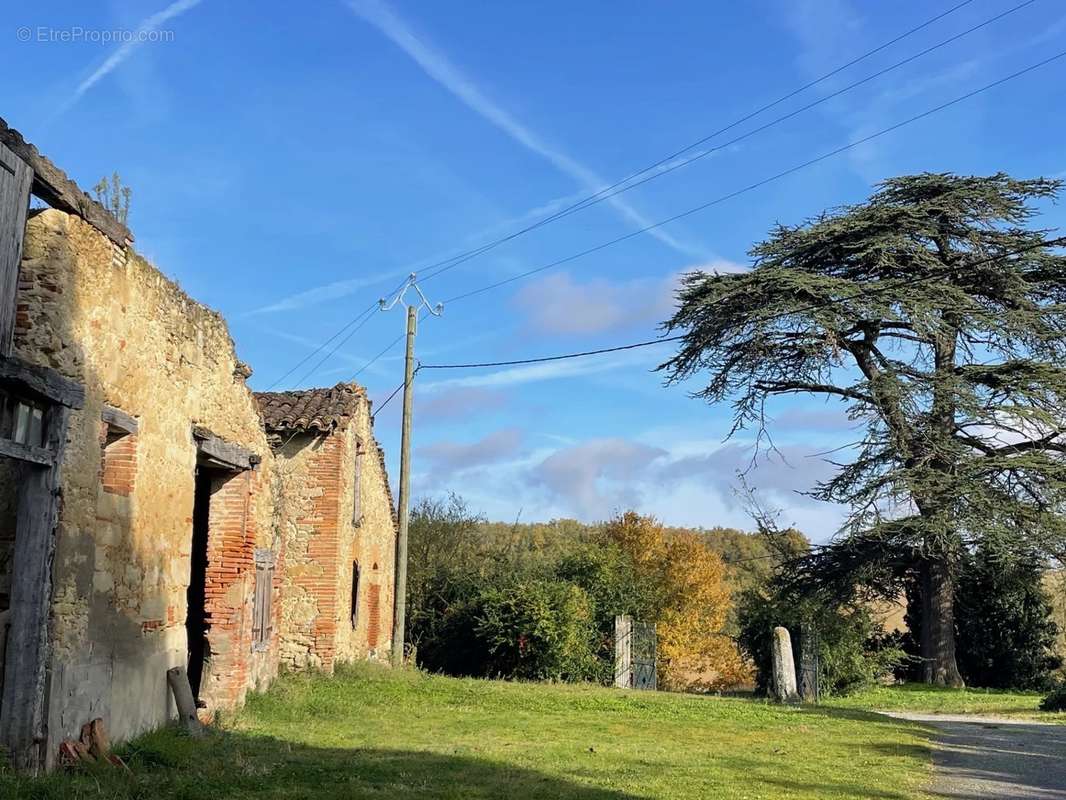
{"x":124,"y":51}
{"x":440,"y":68}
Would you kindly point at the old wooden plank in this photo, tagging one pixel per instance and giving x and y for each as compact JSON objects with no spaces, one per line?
{"x":25,"y":452}
{"x":117,"y":418}
{"x":22,"y":720}
{"x":178,"y":680}
{"x":42,"y":381}
{"x":15,"y":179}
{"x":227,"y":454}
{"x":53,"y":186}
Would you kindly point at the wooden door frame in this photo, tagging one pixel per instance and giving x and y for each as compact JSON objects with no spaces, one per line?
{"x":24,"y":709}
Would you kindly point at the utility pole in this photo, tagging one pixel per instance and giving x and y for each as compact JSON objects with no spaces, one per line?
{"x":399,"y":614}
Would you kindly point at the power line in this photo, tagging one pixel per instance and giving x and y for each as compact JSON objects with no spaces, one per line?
{"x":367,"y":312}
{"x":388,"y":399}
{"x":591,"y":199}
{"x":750,"y":187}
{"x":444,"y":265}
{"x":758,"y":184}
{"x":863,"y":292}
{"x":624,"y":185}
{"x":541,"y":360}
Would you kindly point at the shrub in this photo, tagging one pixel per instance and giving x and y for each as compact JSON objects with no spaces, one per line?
{"x":852,"y":653}
{"x":1006,"y":634}
{"x":540,"y":629}
{"x":1005,"y":631}
{"x":1056,"y":701}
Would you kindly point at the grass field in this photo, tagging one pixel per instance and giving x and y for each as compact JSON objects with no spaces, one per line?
{"x":368,"y":733}
{"x":939,"y":700}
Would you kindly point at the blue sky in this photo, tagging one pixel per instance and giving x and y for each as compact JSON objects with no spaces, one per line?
{"x":292,"y":162}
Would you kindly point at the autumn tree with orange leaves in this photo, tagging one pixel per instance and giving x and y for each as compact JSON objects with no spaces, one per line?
{"x":691,"y":602}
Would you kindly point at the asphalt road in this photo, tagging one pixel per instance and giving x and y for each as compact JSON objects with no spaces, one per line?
{"x":990,"y":757}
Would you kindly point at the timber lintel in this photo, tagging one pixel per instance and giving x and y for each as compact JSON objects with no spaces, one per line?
{"x":43,"y":382}
{"x":219,"y":453}
{"x":119,"y":419}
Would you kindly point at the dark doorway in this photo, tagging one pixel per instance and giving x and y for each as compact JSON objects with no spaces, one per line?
{"x":196,"y":619}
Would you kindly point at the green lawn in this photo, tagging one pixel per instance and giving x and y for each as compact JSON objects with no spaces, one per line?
{"x":939,"y":700}
{"x":369,"y":733}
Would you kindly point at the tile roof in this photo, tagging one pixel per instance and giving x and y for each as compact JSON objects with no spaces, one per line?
{"x":310,"y":409}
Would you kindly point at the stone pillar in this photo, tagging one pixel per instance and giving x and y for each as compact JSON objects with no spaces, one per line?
{"x":623,"y":652}
{"x":784,"y":685}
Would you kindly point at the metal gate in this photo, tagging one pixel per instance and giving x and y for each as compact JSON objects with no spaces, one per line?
{"x":635,"y":654}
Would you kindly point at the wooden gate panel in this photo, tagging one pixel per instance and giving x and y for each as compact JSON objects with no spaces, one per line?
{"x":15,"y":179}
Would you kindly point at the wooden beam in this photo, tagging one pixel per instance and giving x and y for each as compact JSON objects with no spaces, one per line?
{"x":25,"y":452}
{"x":52,"y":185}
{"x":44,"y":382}
{"x":117,"y":418}
{"x":224,"y":454}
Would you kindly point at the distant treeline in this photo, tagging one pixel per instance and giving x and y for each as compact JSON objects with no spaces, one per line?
{"x":538,"y":600}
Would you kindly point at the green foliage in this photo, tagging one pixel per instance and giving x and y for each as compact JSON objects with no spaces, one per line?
{"x":1005,"y":633}
{"x":115,"y":197}
{"x":1006,"y":636}
{"x":540,"y":629}
{"x":934,"y":313}
{"x":852,"y":652}
{"x":1056,"y":699}
{"x":539,"y":600}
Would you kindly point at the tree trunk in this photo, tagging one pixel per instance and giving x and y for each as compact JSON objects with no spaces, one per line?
{"x":938,"y":625}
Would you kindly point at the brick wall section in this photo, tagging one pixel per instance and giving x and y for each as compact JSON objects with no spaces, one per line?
{"x":118,"y":461}
{"x":373,"y":613}
{"x":312,"y":555}
{"x":230,"y":577}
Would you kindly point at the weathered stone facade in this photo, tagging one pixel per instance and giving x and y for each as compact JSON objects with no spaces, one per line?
{"x":145,"y":520}
{"x":338,"y":528}
{"x":124,"y":541}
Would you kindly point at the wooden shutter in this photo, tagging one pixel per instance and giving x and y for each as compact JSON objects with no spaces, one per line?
{"x":262,"y":600}
{"x":357,"y":490}
{"x":15,"y":179}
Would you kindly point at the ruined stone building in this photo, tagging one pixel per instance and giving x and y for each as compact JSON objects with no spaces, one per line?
{"x":145,"y":522}
{"x":338,"y":526}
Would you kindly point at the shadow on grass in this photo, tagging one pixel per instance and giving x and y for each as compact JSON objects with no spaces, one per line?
{"x":168,"y":765}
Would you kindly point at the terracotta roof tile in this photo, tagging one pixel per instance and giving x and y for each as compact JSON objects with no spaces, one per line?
{"x":310,"y":409}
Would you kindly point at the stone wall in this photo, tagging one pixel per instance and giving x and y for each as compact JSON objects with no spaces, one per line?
{"x":139,"y":344}
{"x":323,"y":540}
{"x":368,"y":540}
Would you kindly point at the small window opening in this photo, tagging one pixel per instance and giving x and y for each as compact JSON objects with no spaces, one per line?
{"x":355,"y":594}
{"x":22,"y":420}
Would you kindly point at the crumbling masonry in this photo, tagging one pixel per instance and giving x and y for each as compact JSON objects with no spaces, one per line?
{"x":153,"y":512}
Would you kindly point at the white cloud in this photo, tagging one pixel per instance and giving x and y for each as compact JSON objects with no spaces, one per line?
{"x":560,"y":304}
{"x":678,"y":481}
{"x":126,"y":49}
{"x":441,"y":69}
